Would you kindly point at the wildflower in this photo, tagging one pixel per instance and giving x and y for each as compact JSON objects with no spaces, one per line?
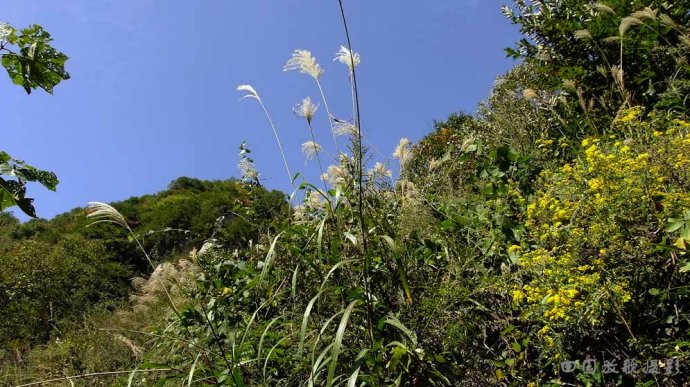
{"x":306,"y":109}
{"x":310,"y":149}
{"x":347,"y":57}
{"x":303,"y":61}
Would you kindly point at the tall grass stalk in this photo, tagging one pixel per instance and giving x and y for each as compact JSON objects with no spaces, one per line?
{"x":251,"y":93}
{"x":360,"y":177}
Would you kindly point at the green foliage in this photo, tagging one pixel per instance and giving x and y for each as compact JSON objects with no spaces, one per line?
{"x":13,"y":190}
{"x":43,"y":284}
{"x":591,"y":58}
{"x":37,"y":64}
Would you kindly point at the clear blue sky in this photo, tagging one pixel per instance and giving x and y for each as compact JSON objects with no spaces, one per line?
{"x":152,"y":95}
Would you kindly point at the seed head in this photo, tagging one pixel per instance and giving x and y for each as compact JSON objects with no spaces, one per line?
{"x":303,"y":61}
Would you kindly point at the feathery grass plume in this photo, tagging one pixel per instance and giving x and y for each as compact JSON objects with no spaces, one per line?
{"x":434,"y":163}
{"x":603,"y":8}
{"x":310,"y":149}
{"x":342,"y":128}
{"x":627,"y":22}
{"x":583,"y":35}
{"x":403,"y":152}
{"x":314,"y":200}
{"x":667,"y":21}
{"x":611,"y":39}
{"x":298,"y":213}
{"x":685,"y":39}
{"x":306,"y":109}
{"x":645,"y":13}
{"x":336,"y":174}
{"x":569,"y":84}
{"x":105,"y":213}
{"x":347,"y":57}
{"x":251,"y":93}
{"x":303,"y":61}
{"x":529,"y":94}
{"x":380,"y":171}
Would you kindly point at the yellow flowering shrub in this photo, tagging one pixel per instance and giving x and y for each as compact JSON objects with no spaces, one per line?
{"x":594,"y":223}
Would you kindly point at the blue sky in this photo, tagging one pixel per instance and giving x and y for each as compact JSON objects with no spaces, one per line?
{"x":152,"y":95}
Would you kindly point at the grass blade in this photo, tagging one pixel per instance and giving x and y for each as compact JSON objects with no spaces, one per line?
{"x":337,"y":344}
{"x":191,"y":370}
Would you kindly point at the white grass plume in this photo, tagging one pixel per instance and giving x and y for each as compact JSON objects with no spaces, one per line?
{"x":603,"y":8}
{"x":583,"y":35}
{"x":403,"y":152}
{"x":347,"y":57}
{"x":311,"y":149}
{"x":627,"y":22}
{"x":251,"y":93}
{"x":105,"y":213}
{"x":380,"y":171}
{"x":306,"y":109}
{"x":343,"y":128}
{"x":303,"y":61}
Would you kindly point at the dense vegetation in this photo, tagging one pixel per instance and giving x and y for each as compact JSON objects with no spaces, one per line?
{"x":60,"y":279}
{"x":541,"y":241}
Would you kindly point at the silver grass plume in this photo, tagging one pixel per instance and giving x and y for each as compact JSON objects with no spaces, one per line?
{"x":347,"y":57}
{"x":603,"y":8}
{"x":251,"y":93}
{"x":311,"y":149}
{"x":303,"y":61}
{"x":380,"y":171}
{"x":105,"y":213}
{"x":583,"y":35}
{"x":306,"y":109}
{"x":343,"y":128}
{"x":628,"y":21}
{"x":645,"y":13}
{"x":529,"y":94}
{"x":667,"y":21}
{"x":403,"y":152}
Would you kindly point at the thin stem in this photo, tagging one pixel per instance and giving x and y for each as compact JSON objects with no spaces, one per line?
{"x":328,"y":112}
{"x":360,"y":156}
{"x":280,"y":147}
{"x":318,"y":158}
{"x":229,"y":363}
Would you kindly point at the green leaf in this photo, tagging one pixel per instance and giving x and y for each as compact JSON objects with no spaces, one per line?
{"x":36,"y":64}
